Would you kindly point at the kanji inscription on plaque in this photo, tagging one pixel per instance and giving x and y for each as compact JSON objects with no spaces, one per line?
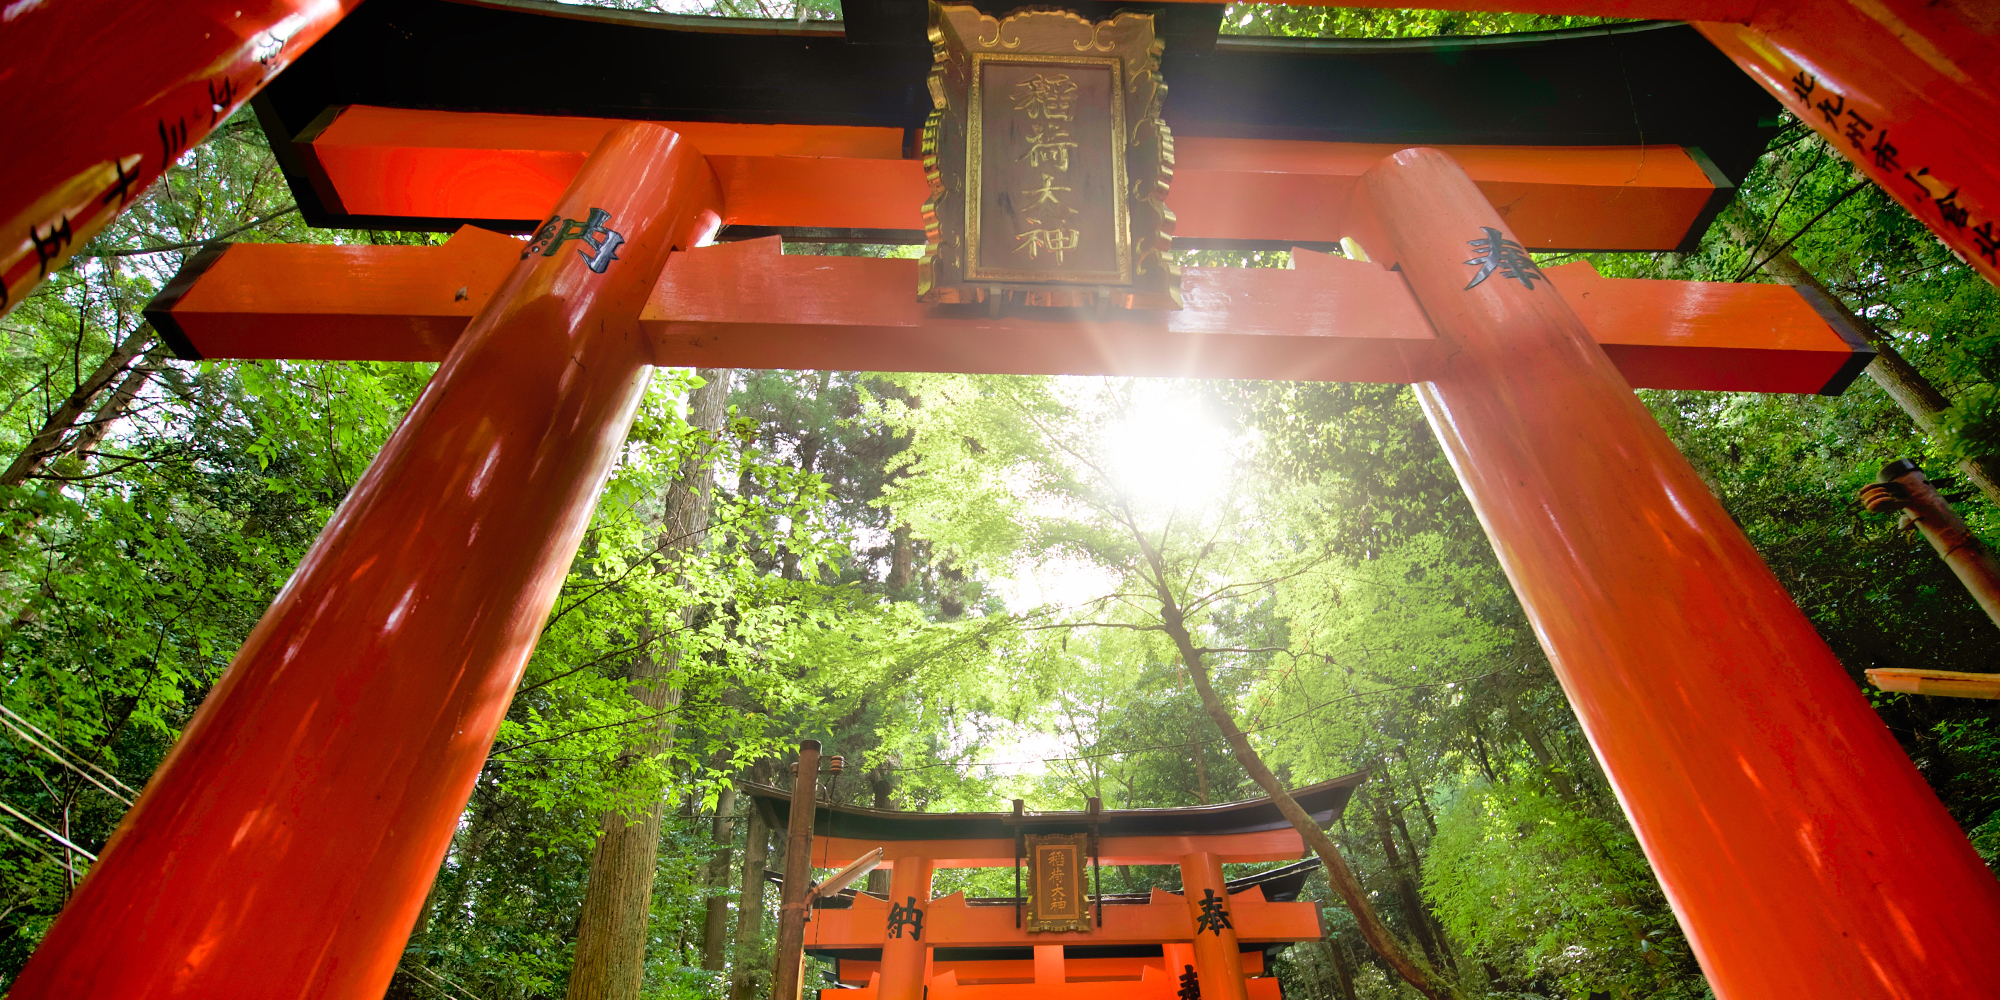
{"x":1057,"y":899}
{"x":1048,"y":163}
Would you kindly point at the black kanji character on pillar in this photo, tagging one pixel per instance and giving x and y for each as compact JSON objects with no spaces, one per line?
{"x":1857,"y":129}
{"x":173,"y":140}
{"x":1213,"y":916}
{"x":1498,"y":253}
{"x":1885,"y":154}
{"x":121,"y":188}
{"x":1953,"y":212}
{"x":902,"y":915}
{"x":1988,"y":243}
{"x":1190,"y":984}
{"x":603,"y":242}
{"x":1803,"y":85}
{"x":50,"y":245}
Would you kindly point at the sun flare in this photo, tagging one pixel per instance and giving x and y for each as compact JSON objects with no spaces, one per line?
{"x":1167,"y":453}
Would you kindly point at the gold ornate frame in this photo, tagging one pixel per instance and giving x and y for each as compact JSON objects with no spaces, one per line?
{"x":1078,"y":843}
{"x":962,"y":40}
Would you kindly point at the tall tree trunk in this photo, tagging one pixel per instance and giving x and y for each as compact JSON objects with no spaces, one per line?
{"x":49,"y":442}
{"x":715,"y":925}
{"x":901,"y":559}
{"x":1923,"y":401}
{"x":1531,"y":735}
{"x":750,"y":910}
{"x":110,"y":413}
{"x":1342,"y":877}
{"x":1343,"y":971}
{"x":610,"y":961}
{"x":1414,"y":913}
{"x":1417,"y":790}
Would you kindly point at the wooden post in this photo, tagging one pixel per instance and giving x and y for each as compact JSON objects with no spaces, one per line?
{"x":1218,"y":962}
{"x":905,"y":951}
{"x":287,"y":842}
{"x":1901,"y":485}
{"x":1802,"y":853}
{"x":792,"y":900}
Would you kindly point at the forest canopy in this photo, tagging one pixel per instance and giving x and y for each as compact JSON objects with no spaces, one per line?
{"x":976,"y":589}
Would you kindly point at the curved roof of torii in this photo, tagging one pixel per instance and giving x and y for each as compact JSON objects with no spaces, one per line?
{"x":1650,"y":83}
{"x":1324,"y":801}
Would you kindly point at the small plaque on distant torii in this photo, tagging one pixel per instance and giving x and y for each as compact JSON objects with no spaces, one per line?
{"x":1057,"y":900}
{"x":1048,"y":162}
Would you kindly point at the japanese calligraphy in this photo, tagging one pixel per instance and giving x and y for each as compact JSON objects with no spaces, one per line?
{"x":1046,"y":194}
{"x":1214,"y":914}
{"x":906,"y":915}
{"x":1054,"y":242}
{"x":1190,"y":984}
{"x":1047,"y":96}
{"x":121,"y":188}
{"x":603,"y":242}
{"x":49,"y":245}
{"x":1510,"y":259}
{"x":220,"y":99}
{"x":1983,"y":238}
{"x":1843,"y":122}
{"x":173,"y":140}
{"x":1049,"y":146}
{"x":1885,"y":154}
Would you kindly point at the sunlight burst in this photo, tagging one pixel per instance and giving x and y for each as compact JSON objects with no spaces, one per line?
{"x":1167,"y":453}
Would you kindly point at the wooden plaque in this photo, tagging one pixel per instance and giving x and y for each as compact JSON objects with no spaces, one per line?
{"x":1048,"y":162}
{"x":1058,"y":896}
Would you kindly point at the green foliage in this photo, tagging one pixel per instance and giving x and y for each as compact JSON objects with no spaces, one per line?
{"x":956,"y":582}
{"x":1541,"y":890}
{"x":1357,"y":22}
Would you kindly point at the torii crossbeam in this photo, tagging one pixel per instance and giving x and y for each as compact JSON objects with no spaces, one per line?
{"x":285,"y":846}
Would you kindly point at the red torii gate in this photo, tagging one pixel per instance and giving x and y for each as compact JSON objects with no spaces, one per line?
{"x":1127,"y":946}
{"x":285,"y":845}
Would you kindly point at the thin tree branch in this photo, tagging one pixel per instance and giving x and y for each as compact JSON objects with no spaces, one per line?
{"x":217,"y":238}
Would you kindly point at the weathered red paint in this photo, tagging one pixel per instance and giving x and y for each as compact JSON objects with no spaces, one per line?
{"x":285,"y":846}
{"x":1801,"y":850}
{"x":101,"y":96}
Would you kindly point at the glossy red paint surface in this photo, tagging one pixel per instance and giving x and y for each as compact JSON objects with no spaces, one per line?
{"x":906,"y":955}
{"x":1000,"y":972}
{"x":953,"y":923}
{"x":482,"y":165}
{"x":286,"y":844}
{"x":1909,"y":90}
{"x":101,"y":96}
{"x":1803,"y":854}
{"x":744,"y":305}
{"x":1217,"y":960}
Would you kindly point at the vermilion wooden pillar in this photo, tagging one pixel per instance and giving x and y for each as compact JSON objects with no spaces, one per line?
{"x":101,"y":96}
{"x":1218,"y":962}
{"x":286,"y":844}
{"x":904,"y":951}
{"x":1802,"y":852}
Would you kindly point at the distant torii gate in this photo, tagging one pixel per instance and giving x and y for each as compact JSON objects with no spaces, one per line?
{"x":1206,"y":942}
{"x":285,"y":846}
